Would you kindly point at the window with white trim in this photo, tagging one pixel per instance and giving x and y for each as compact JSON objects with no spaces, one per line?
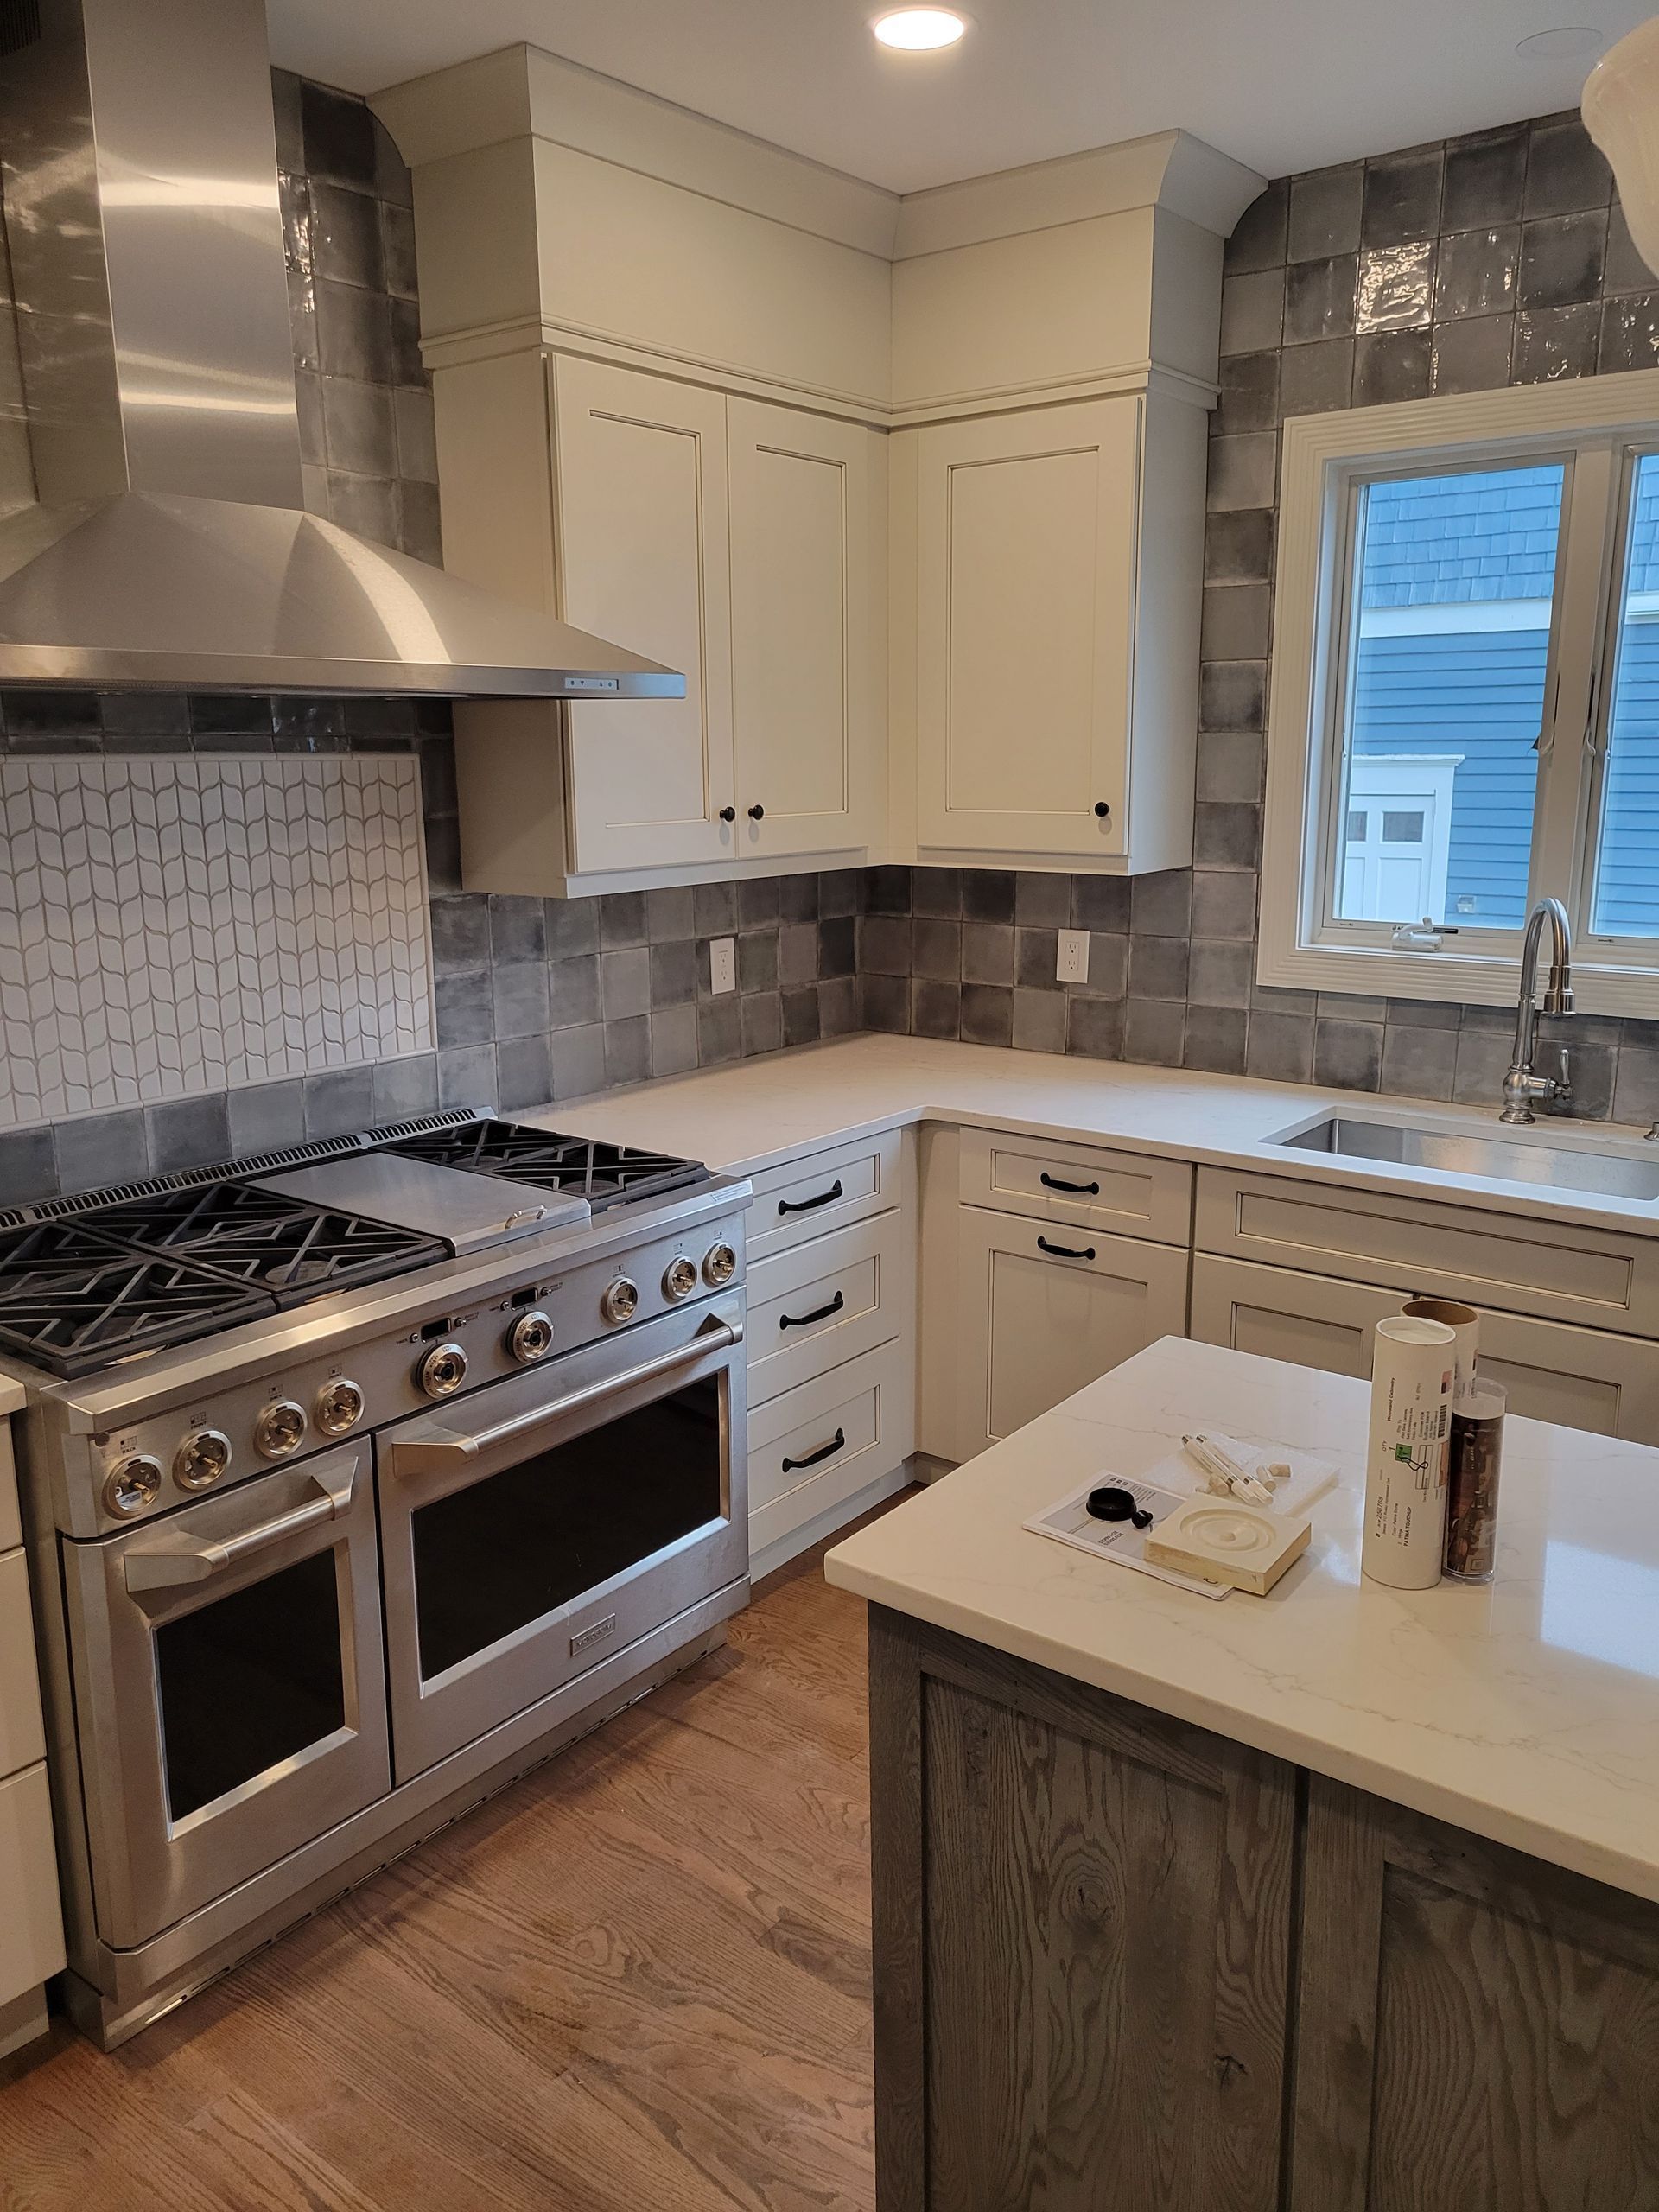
{"x":1465,"y":714}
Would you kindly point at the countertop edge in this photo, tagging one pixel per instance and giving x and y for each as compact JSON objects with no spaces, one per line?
{"x":1556,"y":1848}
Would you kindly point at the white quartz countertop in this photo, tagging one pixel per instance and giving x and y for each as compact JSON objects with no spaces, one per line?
{"x":755,"y":1112}
{"x":1527,"y":1711}
{"x":13,"y":1396}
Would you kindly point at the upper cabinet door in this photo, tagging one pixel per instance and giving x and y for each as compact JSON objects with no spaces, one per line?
{"x":640,"y":467}
{"x":1028,"y":528}
{"x":807,"y":611}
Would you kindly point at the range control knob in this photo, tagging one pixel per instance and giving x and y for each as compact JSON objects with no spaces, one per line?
{"x":622,"y":1300}
{"x":202,"y":1458}
{"x":443,"y":1370}
{"x":280,"y":1429}
{"x":680,"y":1279}
{"x":134,"y":1483}
{"x":531,"y":1337}
{"x":719,"y":1265}
{"x":339,"y":1407}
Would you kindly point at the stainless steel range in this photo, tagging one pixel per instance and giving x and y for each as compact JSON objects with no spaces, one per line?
{"x":359,"y":1480}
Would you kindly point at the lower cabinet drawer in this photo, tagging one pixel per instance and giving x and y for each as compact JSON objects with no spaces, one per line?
{"x":31,"y":1923}
{"x":818,"y":1445}
{"x":803,"y":1198}
{"x":1125,"y":1193}
{"x":22,"y":1740}
{"x":1578,"y":1378}
{"x":1042,"y":1311}
{"x":817,"y":1305}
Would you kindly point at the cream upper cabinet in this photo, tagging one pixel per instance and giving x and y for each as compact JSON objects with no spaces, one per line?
{"x":806,"y":674}
{"x":639,"y":471}
{"x":1058,"y":580}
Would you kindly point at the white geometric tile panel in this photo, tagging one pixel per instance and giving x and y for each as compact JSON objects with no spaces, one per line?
{"x":175,"y":924}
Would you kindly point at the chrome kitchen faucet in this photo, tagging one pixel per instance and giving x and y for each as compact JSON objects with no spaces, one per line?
{"x":1522,"y":1087}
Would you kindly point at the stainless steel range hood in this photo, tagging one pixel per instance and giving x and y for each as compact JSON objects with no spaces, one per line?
{"x":169,"y":546}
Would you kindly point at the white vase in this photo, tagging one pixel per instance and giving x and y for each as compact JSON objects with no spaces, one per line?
{"x":1621,"y":112}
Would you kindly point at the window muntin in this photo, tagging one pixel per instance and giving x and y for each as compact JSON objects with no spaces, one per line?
{"x":1451,"y":594}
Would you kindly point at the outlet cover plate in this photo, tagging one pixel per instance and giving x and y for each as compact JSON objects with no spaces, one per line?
{"x":722,"y":964}
{"x":1072,"y":963}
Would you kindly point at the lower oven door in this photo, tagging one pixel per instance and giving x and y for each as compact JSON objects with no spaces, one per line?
{"x":544,"y":1522}
{"x":230,"y":1689}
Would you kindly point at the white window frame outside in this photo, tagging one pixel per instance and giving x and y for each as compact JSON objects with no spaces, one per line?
{"x":1595,"y":424}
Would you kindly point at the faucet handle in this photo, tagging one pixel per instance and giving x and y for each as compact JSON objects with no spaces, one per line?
{"x":1563,"y":1098}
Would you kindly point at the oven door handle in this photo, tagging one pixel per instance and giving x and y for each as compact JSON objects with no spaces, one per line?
{"x":168,"y":1565}
{"x":425,"y":1455}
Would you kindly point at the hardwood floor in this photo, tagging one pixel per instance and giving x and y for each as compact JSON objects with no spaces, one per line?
{"x":639,"y":1978}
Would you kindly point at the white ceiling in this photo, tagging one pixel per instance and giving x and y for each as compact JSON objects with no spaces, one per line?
{"x":1283,"y":84}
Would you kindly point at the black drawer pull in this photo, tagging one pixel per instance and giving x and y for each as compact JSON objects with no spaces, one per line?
{"x":805,"y":1320}
{"x":805,"y":1206}
{"x":1077,"y":1190}
{"x":824,"y":1452}
{"x":1064,"y":1251}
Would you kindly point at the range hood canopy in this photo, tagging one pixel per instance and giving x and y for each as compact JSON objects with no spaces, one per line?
{"x":171,"y":547}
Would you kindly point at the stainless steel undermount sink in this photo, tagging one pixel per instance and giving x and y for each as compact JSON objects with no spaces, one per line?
{"x":1537,"y":1157}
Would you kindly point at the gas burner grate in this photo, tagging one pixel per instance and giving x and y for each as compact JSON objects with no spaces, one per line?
{"x":72,"y":1300}
{"x":584,"y":1168}
{"x":279,"y":1244}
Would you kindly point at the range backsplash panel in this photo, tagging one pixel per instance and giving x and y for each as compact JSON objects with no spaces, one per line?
{"x":175,"y":924}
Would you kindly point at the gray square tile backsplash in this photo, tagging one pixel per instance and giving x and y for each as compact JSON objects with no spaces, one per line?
{"x":1497,"y":257}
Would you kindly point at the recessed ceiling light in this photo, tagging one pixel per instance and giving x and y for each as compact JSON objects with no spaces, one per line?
{"x":920,"y":30}
{"x":1573,"y":42}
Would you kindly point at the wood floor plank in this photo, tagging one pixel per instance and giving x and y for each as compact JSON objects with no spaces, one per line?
{"x":637,"y":1979}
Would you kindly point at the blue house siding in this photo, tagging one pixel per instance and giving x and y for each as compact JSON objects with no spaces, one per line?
{"x":1477,"y":693}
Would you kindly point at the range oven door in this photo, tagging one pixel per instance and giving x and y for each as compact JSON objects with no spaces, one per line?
{"x":230,"y":1689}
{"x":544,"y":1522}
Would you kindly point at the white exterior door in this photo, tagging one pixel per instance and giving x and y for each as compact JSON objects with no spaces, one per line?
{"x":1396,"y":846}
{"x":806,"y":622}
{"x":640,"y":470}
{"x":1028,"y":527}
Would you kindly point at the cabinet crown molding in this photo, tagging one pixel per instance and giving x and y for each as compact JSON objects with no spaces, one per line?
{"x":520,"y":92}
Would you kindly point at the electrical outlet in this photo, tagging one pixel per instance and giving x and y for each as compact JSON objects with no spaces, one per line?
{"x":722,"y":964}
{"x":1072,"y":964}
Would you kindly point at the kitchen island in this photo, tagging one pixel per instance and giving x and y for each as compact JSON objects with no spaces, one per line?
{"x":1342,"y":1898}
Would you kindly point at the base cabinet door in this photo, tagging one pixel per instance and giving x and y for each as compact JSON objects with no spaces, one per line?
{"x":1082,"y":1941}
{"x":640,"y":471}
{"x":1047,"y":1308}
{"x":1578,"y":1378}
{"x":1474,"y":2028}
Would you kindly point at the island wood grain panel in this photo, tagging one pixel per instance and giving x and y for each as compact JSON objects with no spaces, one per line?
{"x":1082,"y":1938}
{"x":638,"y":1980}
{"x":1474,"y":2028}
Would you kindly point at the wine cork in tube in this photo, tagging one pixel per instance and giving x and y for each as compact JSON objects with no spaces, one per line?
{"x":1404,"y":1536}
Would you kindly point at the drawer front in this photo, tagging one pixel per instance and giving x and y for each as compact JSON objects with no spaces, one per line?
{"x":11,"y":1524}
{"x":1578,"y":1378}
{"x":803,"y":1198}
{"x":31,"y":1926}
{"x":1042,"y":1313}
{"x":824,"y":1302}
{"x":821,"y":1443}
{"x":1123,"y":1193}
{"x":21,"y":1738}
{"x":1596,"y":1277}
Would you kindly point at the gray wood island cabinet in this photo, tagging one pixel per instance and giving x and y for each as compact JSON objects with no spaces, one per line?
{"x":1346,"y":1900}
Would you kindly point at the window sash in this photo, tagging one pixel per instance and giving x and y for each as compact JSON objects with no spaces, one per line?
{"x":1597,"y":427}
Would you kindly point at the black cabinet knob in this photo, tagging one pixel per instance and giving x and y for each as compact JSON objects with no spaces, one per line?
{"x":757,"y":813}
{"x":1101,"y":808}
{"x":728,"y":814}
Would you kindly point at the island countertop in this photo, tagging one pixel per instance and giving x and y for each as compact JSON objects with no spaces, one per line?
{"x":1527,"y":1712}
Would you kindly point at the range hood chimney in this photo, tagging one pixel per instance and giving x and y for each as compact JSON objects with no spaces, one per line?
{"x":169,"y":546}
